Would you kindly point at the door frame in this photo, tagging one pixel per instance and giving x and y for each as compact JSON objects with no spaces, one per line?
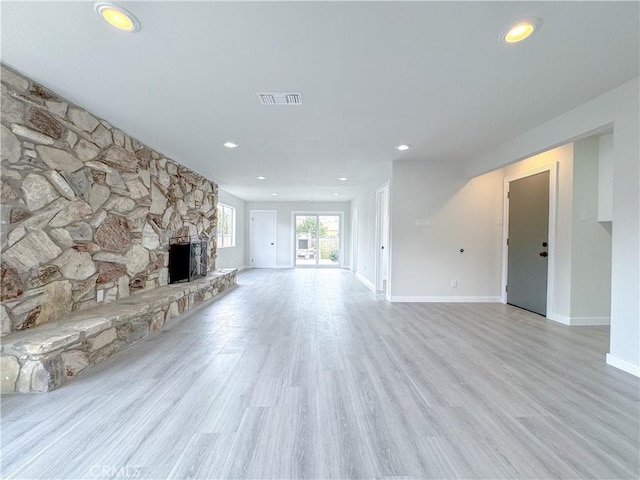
{"x":317,"y":213}
{"x":275,"y":221}
{"x":384,"y":188}
{"x":552,"y":168}
{"x":355,"y":215}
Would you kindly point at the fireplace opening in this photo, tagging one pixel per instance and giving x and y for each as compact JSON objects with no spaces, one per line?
{"x":187,"y":258}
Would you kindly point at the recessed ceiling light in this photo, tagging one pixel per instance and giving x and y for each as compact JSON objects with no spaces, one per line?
{"x":117,"y":17}
{"x":343,"y":179}
{"x":521,"y":30}
{"x":403,"y":147}
{"x":275,"y":194}
{"x":230,"y":145}
{"x":261,"y":177}
{"x":335,"y":194}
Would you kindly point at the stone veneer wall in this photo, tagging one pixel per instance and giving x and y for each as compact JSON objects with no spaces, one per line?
{"x":84,"y":207}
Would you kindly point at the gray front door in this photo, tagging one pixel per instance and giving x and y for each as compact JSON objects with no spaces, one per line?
{"x":527,"y":244}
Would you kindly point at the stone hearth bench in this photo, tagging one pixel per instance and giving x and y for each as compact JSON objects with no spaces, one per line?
{"x":44,"y":357}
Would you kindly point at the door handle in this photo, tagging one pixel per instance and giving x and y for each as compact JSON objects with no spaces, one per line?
{"x":544,"y":254}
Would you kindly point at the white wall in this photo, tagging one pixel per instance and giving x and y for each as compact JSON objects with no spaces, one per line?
{"x":590,"y":241}
{"x":284,"y":231}
{"x":619,"y":109}
{"x":464,"y":214}
{"x":233,"y":257}
{"x":605,"y":178}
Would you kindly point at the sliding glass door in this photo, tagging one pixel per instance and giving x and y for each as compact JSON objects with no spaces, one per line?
{"x":317,"y":240}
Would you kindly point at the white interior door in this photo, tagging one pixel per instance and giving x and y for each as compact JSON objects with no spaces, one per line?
{"x":382,"y":239}
{"x":263,"y":238}
{"x":354,"y":240}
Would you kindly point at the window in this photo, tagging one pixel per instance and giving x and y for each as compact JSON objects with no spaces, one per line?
{"x":226,"y":226}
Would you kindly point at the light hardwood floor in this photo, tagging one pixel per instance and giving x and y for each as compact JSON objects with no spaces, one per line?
{"x":307,"y":374}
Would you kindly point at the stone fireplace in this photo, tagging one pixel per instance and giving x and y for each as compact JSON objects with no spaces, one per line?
{"x":87,"y":219}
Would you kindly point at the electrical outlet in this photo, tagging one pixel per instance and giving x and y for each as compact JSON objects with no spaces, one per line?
{"x":454,"y":283}
{"x":100,"y":295}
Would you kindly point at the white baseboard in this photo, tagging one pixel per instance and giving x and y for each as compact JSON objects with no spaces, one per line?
{"x":590,"y":321}
{"x":366,"y":282}
{"x":623,"y":365}
{"x":563,"y":319}
{"x":579,"y":321}
{"x":452,"y":299}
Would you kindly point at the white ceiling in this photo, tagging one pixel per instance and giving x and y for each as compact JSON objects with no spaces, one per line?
{"x":372,"y":75}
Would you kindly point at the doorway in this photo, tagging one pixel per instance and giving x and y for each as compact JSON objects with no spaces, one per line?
{"x":382,"y":239}
{"x":354,"y":239}
{"x":317,"y":241}
{"x":262,"y":241}
{"x":528,"y":242}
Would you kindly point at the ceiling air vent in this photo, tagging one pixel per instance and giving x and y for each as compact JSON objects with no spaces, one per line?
{"x":286,"y":98}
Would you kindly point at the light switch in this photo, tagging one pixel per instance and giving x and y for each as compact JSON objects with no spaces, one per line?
{"x":584,"y":215}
